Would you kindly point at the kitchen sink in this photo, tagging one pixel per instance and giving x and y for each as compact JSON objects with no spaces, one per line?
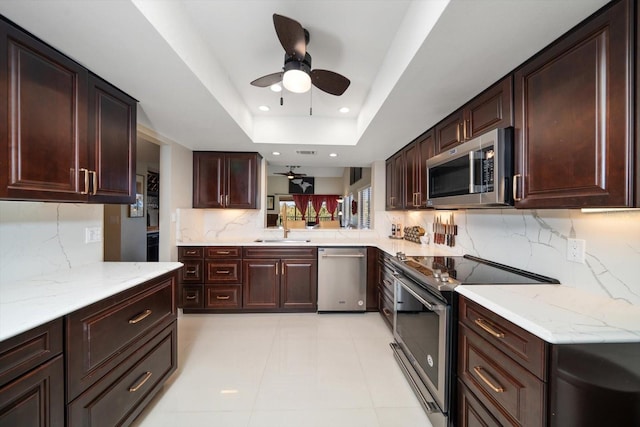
{"x":282,"y":240}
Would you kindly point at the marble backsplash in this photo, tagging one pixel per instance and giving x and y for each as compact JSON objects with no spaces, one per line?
{"x":536,"y":240}
{"x":39,"y":238}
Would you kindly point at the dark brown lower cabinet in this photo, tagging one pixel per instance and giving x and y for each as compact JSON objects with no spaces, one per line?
{"x":119,"y":397}
{"x":36,"y":398}
{"x":280,"y":279}
{"x":502,"y":371}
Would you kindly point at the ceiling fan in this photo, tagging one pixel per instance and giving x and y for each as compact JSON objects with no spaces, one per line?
{"x":291,"y":174}
{"x":296,"y":75}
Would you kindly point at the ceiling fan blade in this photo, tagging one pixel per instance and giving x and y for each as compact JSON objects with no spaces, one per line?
{"x":330,"y":82}
{"x":268,"y":80}
{"x":291,"y":36}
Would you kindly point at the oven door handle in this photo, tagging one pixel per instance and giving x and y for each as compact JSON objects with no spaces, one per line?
{"x":431,"y":305}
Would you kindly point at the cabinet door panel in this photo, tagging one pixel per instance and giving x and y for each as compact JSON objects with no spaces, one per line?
{"x":411,"y":177}
{"x":208,"y":172}
{"x":261,"y":283}
{"x":389,"y":178}
{"x":449,"y":132}
{"x":44,"y":97}
{"x":241,"y":176}
{"x":490,"y":110}
{"x":573,"y":119}
{"x":427,"y":149}
{"x":299,"y":284}
{"x":112,"y":142}
{"x":36,"y":398}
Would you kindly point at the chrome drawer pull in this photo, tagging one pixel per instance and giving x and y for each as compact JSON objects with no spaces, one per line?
{"x":483,"y":324}
{"x":222,"y":272}
{"x":387,"y":312}
{"x":496,"y":388}
{"x":135,"y":388}
{"x":223,"y":252}
{"x":86,"y":181}
{"x":191,"y":252}
{"x":223,"y":298}
{"x":140,"y":316}
{"x":191,"y":297}
{"x":192,"y":270}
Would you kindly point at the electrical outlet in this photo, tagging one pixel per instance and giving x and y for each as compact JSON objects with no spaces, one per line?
{"x":93,"y":234}
{"x":575,"y":250}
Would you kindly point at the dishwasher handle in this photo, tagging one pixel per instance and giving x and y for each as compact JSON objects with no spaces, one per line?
{"x":343,"y":256}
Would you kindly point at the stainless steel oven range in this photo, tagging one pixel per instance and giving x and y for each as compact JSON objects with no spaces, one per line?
{"x":425,"y":318}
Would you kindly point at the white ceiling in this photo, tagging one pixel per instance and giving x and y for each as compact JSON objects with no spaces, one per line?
{"x":189,"y":63}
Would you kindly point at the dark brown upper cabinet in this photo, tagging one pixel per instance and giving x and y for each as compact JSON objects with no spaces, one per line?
{"x":394,"y":182}
{"x":490,"y":110}
{"x":574,"y":112}
{"x":112,"y":143}
{"x":68,"y":136}
{"x":415,"y":160}
{"x":226,"y":180}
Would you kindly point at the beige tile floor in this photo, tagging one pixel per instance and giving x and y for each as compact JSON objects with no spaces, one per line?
{"x":284,"y":370}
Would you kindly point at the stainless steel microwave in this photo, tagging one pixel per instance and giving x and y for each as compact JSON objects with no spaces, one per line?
{"x":475,"y":174}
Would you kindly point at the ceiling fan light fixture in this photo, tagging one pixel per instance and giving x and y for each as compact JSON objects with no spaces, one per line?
{"x":296,"y":81}
{"x":276,"y":87}
{"x":290,"y":176}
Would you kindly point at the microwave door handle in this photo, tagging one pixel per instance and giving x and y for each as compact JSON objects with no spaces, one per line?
{"x":472,"y":173}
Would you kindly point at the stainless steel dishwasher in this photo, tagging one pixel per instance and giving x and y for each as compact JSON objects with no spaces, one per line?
{"x":342,"y":279}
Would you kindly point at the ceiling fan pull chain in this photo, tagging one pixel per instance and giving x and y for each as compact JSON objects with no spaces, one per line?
{"x":311,"y":102}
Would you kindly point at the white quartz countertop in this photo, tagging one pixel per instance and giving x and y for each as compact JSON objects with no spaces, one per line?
{"x":390,"y":246}
{"x":560,"y":314}
{"x":28,"y":303}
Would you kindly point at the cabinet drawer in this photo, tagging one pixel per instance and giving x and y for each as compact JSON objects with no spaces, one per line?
{"x":35,"y":399}
{"x":190,"y":252}
{"x":280,"y":252}
{"x":100,"y":335}
{"x":191,"y":272}
{"x":499,"y":382}
{"x":191,"y":297}
{"x":223,"y":296}
{"x":121,"y":395}
{"x":471,"y":412}
{"x":522,"y":346}
{"x":229,"y":271}
{"x":223,"y":252}
{"x":23,"y":352}
{"x":385,"y":303}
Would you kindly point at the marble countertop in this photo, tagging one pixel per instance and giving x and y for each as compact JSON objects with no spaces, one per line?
{"x":560,"y":314}
{"x":31,"y":302}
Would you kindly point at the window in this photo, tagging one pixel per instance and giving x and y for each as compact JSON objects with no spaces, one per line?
{"x":364,"y":208}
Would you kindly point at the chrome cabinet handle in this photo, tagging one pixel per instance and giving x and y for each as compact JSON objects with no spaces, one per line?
{"x":223,"y":252}
{"x":458,"y":132}
{"x":191,"y":270}
{"x":86,"y":181}
{"x":515,"y":187}
{"x":193,"y":252}
{"x":492,"y":386}
{"x":222,"y":272}
{"x":221,"y":199}
{"x":223,"y":297}
{"x":227,"y":200}
{"x":144,"y":379}
{"x":386,"y":312}
{"x":140,"y":317}
{"x":191,"y":297}
{"x":277,"y":268}
{"x":489,"y":328}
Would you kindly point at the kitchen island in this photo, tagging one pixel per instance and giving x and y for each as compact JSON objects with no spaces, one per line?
{"x":91,"y":345}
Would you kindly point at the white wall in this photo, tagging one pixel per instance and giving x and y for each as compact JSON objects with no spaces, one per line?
{"x":37,"y":238}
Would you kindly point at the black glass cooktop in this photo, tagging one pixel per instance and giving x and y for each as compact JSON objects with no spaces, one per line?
{"x":469,"y":270}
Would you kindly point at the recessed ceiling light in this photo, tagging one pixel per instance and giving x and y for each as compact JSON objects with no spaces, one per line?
{"x":333,"y":154}
{"x":344,"y":110}
{"x":276,"y":153}
{"x":276,"y":87}
{"x":263,"y":108}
